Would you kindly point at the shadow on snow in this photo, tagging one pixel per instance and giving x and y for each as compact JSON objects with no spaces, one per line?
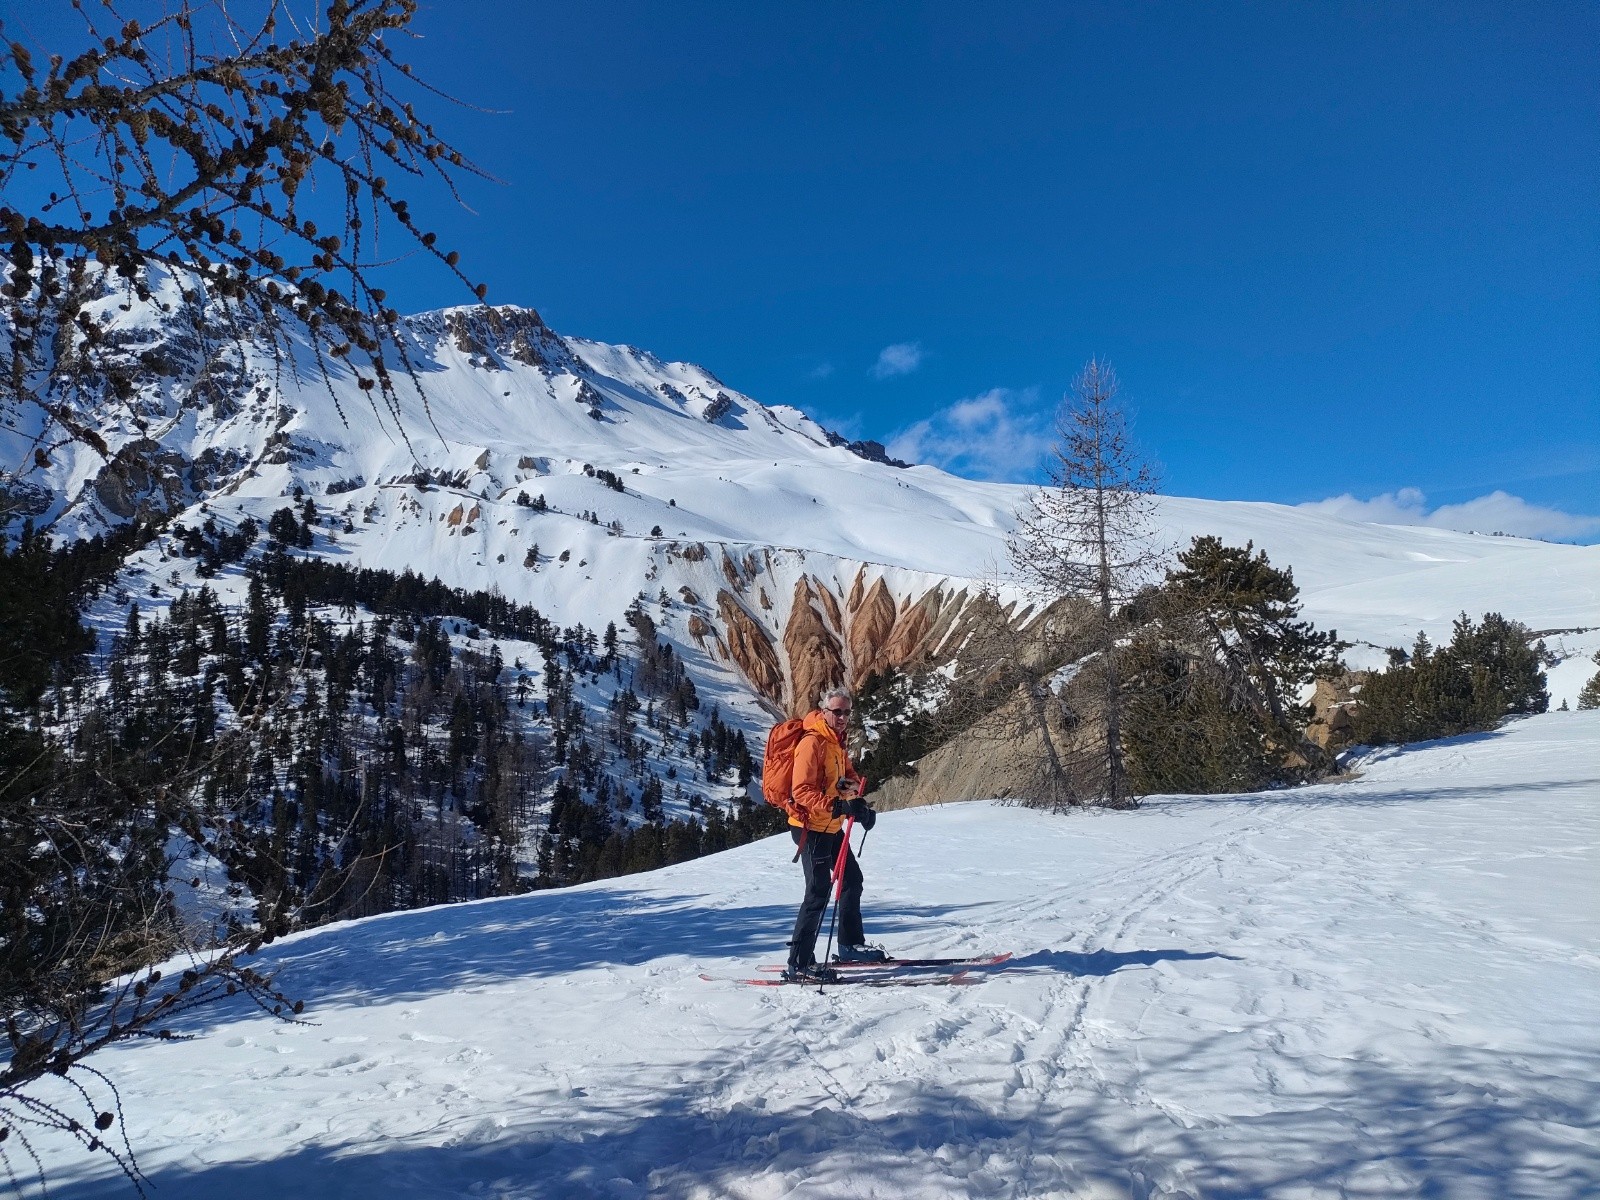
{"x":1105,"y":962}
{"x":767,"y":1119}
{"x":474,"y":946}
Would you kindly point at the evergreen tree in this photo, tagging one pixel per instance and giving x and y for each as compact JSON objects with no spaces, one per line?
{"x":1589,"y":697}
{"x":1490,"y":669}
{"x":40,"y":634}
{"x":1507,"y":666}
{"x":1248,"y":612}
{"x":1215,"y":671}
{"x":257,"y":621}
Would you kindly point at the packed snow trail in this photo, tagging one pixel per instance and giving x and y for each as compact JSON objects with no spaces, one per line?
{"x":1386,"y":987}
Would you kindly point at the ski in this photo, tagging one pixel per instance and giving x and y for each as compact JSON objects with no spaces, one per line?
{"x":889,"y":964}
{"x":958,"y":979}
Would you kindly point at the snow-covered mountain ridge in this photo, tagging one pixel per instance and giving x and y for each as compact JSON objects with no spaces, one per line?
{"x":732,"y":516}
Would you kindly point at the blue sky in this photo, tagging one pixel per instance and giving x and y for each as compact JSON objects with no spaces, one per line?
{"x":1333,"y":250}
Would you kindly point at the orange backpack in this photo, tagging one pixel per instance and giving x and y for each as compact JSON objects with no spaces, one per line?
{"x":777,"y":764}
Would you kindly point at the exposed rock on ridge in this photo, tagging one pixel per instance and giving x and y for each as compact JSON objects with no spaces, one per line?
{"x":826,"y":636}
{"x":751,"y":648}
{"x":870,"y":627}
{"x":813,"y":650}
{"x":488,"y":335}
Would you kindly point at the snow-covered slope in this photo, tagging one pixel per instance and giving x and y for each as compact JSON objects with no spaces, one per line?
{"x":1379,"y":988}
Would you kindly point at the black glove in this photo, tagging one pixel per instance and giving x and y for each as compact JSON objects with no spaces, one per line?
{"x":862,"y":812}
{"x":841,"y":807}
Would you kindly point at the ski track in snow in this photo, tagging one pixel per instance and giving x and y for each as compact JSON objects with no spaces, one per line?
{"x":1384,"y":987}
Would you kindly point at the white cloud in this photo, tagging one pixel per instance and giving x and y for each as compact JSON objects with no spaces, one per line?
{"x":1497,"y":512}
{"x":822,"y":370}
{"x":902,"y":358}
{"x":1000,"y":436}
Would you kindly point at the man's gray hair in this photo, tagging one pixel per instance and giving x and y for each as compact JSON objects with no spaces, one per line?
{"x":837,"y":693}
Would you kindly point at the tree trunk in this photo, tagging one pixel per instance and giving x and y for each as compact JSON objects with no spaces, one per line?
{"x":1062,"y":793}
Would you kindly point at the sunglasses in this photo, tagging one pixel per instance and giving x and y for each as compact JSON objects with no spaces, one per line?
{"x":838,"y":712}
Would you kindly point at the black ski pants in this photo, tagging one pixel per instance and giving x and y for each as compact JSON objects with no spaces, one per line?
{"x":817,"y":857}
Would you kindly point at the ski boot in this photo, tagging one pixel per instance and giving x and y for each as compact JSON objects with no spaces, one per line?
{"x":863,"y":953}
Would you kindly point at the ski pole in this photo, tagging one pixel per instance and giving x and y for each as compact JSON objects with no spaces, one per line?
{"x":838,"y":890}
{"x":838,"y":863}
{"x":861,"y":791}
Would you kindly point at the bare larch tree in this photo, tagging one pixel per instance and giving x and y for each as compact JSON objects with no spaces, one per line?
{"x":1087,"y":535}
{"x":252,"y":157}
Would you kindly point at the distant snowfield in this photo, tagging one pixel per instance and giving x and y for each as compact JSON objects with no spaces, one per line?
{"x":1388,"y":987}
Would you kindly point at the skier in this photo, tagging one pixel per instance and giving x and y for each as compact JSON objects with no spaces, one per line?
{"x":825,"y":789}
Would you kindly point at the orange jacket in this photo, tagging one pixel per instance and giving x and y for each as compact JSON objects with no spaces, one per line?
{"x":820,"y":762}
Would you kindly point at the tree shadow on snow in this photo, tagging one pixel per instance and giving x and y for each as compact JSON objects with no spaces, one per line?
{"x":1392,"y":795}
{"x":406,"y":956}
{"x":817,"y":1119}
{"x":1351,"y":795}
{"x":677,"y":1148}
{"x":1472,"y":1121}
{"x":1104,"y":962}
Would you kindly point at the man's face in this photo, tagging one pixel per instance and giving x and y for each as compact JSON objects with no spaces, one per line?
{"x":837,"y":713}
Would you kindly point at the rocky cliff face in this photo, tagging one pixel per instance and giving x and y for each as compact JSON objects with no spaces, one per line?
{"x":489,"y":336}
{"x":143,"y":480}
{"x":872,"y":620}
{"x":815,"y":652}
{"x":1333,"y":704}
{"x":993,"y":760}
{"x":750,"y":647}
{"x":826,"y":635}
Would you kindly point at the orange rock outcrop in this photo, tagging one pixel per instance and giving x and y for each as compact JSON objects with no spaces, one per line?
{"x":815,"y":662}
{"x":751,"y":647}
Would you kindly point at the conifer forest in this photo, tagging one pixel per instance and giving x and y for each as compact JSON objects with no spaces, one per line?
{"x":343,"y":742}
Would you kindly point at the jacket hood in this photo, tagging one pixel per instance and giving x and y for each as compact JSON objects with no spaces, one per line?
{"x":815,"y":722}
